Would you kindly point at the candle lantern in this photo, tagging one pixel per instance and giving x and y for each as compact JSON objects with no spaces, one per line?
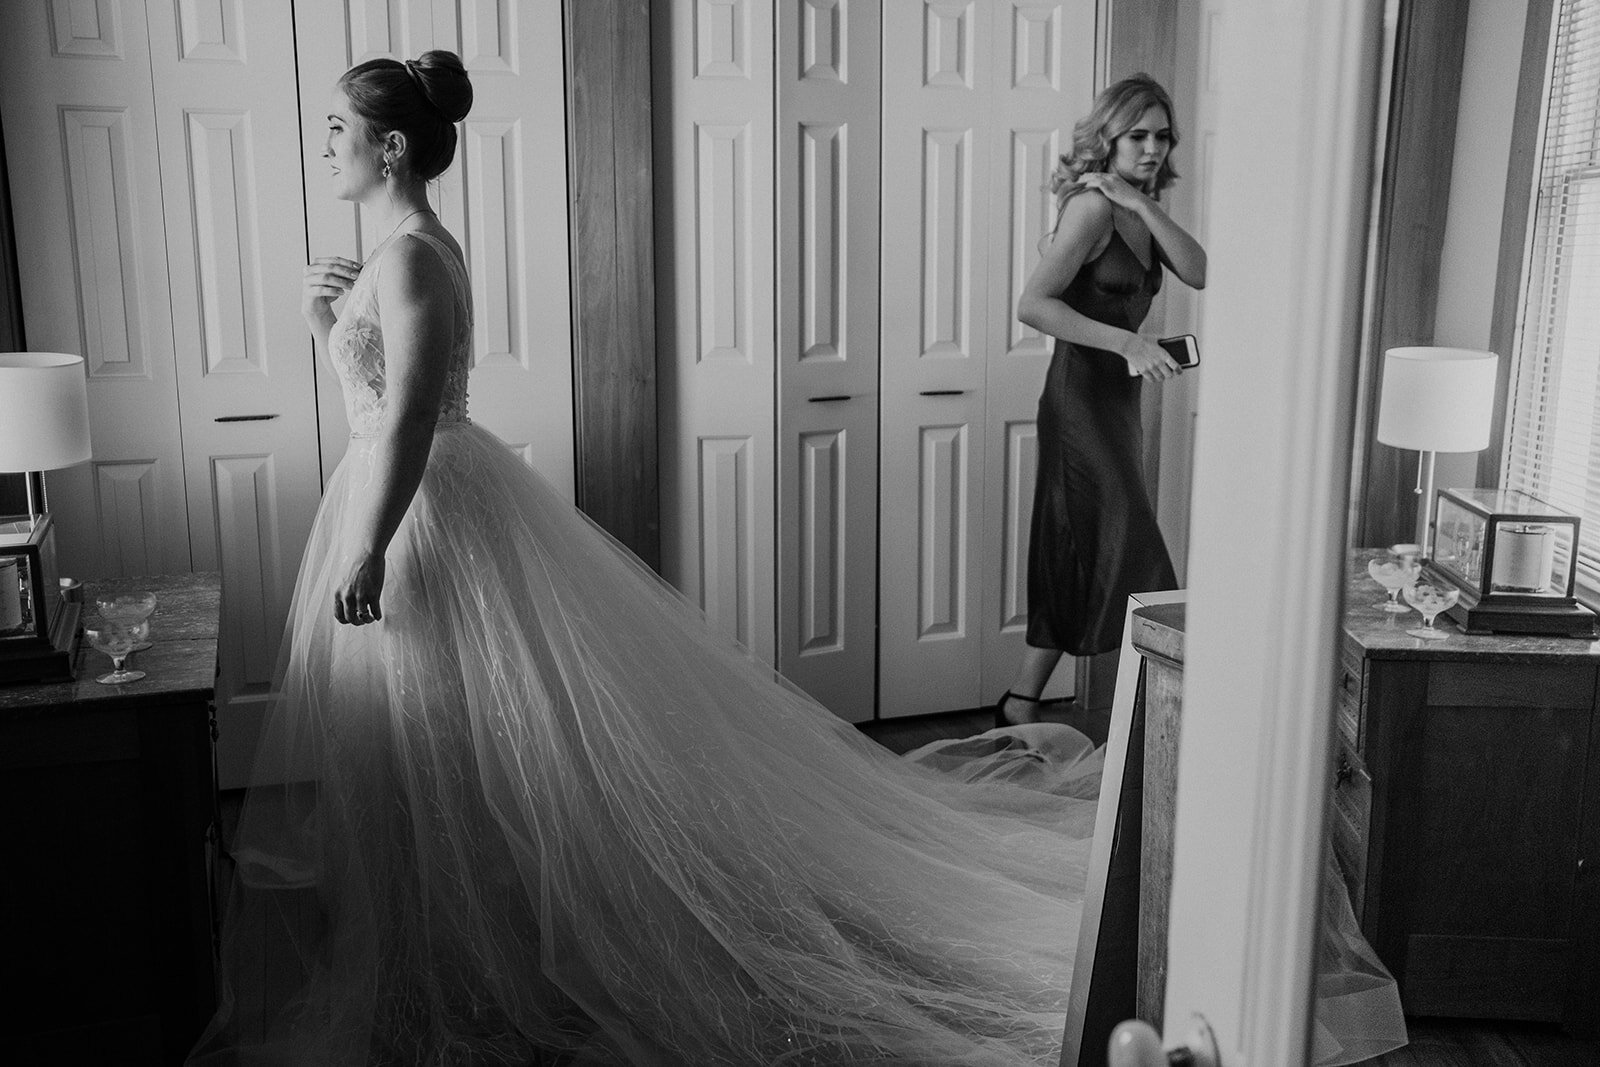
{"x":1513,"y":557}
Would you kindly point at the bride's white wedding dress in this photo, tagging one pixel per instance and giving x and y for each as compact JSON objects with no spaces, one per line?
{"x":551,"y":811}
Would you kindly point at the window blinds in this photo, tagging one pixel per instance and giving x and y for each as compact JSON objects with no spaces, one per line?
{"x":1552,"y":444}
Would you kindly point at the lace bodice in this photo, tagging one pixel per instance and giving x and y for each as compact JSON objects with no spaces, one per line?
{"x":355,"y":345}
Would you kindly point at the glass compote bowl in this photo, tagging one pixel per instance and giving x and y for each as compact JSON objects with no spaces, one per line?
{"x":128,"y":607}
{"x":1394,"y":575}
{"x":117,"y":638}
{"x":1430,"y":599}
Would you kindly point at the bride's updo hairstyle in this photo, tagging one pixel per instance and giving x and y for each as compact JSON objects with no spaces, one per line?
{"x":422,"y":98}
{"x":1116,"y":110}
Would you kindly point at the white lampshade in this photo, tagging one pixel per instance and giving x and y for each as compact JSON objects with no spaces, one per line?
{"x":44,"y":411}
{"x":1437,"y":399}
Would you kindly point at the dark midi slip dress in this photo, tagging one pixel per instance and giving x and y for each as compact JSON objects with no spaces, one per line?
{"x":1094,"y":536}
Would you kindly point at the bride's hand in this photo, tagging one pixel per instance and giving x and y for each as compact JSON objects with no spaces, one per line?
{"x":355,"y":602}
{"x":327,"y":279}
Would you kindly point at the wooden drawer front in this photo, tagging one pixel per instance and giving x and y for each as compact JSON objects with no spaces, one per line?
{"x":1509,"y":685}
{"x":1352,"y":814}
{"x":1486,"y":977}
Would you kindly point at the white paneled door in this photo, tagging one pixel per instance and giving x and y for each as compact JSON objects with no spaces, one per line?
{"x":847,"y":401}
{"x":152,"y":148}
{"x":978,"y":101}
{"x":227,"y":132}
{"x":827,"y":350}
{"x":713,"y":69}
{"x":505,"y":198}
{"x":81,"y":144}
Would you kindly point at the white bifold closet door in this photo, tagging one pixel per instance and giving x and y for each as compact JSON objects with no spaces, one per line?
{"x":165,"y":158}
{"x":153,"y":149}
{"x":978,"y":101}
{"x":847,"y":401}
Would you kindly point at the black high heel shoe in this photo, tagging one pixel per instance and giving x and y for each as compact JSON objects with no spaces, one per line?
{"x":1000,"y":708}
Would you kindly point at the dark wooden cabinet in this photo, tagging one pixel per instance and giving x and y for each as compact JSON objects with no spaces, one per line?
{"x":1465,"y":810}
{"x":108,"y":800}
{"x":1467,"y":817}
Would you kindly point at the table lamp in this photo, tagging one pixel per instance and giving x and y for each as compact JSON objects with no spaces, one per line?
{"x":1435,"y":400}
{"x":44,"y":425}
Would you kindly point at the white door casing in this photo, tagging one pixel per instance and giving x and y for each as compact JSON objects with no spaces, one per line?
{"x":504,"y":197}
{"x":713,"y":76}
{"x":827,"y":349}
{"x":1271,"y":482}
{"x":978,"y":100}
{"x":80,"y":133}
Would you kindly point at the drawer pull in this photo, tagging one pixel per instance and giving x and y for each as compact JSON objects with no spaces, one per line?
{"x":943,"y":392}
{"x":1344,"y":773}
{"x":829,"y":399}
{"x":1348,"y":681}
{"x":243,"y":418}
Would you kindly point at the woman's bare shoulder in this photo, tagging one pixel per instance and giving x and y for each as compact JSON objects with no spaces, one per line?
{"x":415,"y":267}
{"x":1087,"y":208}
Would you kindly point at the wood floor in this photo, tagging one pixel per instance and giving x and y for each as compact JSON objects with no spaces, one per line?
{"x":1476,"y":1043}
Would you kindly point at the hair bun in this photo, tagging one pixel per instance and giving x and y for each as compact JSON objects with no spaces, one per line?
{"x":443,"y":80}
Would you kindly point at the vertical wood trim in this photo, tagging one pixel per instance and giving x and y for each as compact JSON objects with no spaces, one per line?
{"x":1414,"y":202}
{"x":613,"y":268}
{"x":1514,"y":221}
{"x":1143,"y":36}
{"x":13,"y":493}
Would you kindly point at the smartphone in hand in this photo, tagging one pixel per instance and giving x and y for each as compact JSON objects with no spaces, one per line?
{"x":1182,"y":349}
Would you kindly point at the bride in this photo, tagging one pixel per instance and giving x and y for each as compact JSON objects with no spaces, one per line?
{"x":551,"y":815}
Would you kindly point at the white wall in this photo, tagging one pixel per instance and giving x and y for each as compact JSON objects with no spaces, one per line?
{"x":1477,"y":191}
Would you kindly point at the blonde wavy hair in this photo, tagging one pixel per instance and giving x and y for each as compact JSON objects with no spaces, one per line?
{"x":1116,"y":110}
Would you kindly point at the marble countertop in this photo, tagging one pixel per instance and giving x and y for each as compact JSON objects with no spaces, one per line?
{"x":181,"y":662}
{"x":1382,"y":635}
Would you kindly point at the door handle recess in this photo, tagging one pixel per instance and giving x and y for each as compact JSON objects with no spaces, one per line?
{"x":243,"y":418}
{"x":943,"y":392}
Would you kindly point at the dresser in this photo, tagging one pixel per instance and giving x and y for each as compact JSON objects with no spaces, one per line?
{"x":1464,"y":815}
{"x":109,"y":808}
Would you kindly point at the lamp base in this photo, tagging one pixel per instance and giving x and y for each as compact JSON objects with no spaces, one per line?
{"x":32,"y":661}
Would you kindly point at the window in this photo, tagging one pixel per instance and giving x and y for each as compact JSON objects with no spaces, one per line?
{"x":1552,"y":443}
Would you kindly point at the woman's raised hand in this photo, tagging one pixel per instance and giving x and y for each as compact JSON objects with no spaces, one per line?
{"x":1116,"y":189}
{"x":327,"y":279}
{"x":1148,"y":359}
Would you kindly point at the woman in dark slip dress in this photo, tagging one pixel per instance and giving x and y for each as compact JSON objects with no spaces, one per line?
{"x":1094,"y":536}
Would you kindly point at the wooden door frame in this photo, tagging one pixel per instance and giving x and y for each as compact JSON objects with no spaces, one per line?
{"x":13,"y":493}
{"x":1272,"y":474}
{"x":612,"y":256}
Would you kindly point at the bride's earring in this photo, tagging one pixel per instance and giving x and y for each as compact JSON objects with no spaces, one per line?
{"x":385,"y":168}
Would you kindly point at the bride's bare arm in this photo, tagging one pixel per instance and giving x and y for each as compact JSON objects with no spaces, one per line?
{"x":416,"y":302}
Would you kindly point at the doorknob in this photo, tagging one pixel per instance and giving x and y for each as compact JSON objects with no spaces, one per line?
{"x":1136,"y":1044}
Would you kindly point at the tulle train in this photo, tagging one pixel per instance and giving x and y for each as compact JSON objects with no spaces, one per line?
{"x":543,"y":809}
